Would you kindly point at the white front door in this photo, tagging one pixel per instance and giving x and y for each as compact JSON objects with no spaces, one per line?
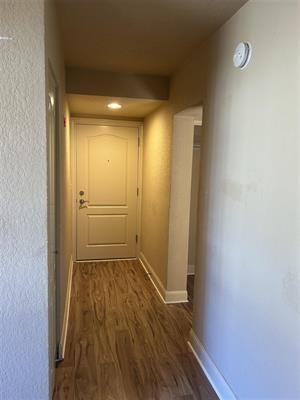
{"x":106,"y":198}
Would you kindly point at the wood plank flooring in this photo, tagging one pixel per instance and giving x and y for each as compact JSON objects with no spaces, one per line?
{"x":123,"y":343}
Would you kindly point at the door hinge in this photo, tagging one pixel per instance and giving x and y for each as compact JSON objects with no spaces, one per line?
{"x":136,"y":238}
{"x":139,"y":142}
{"x":137,"y":191}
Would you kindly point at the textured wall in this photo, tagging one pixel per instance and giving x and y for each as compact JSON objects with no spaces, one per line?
{"x":23,"y":213}
{"x":156,"y":190}
{"x":187,"y":90}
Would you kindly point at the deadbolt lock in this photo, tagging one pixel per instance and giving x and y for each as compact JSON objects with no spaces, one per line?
{"x":81,"y":192}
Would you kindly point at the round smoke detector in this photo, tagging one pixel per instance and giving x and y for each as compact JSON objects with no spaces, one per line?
{"x":242,"y":55}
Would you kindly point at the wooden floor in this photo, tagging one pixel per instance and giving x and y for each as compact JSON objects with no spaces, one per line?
{"x":123,"y":343}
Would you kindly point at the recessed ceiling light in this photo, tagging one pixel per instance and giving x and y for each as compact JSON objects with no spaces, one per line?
{"x":114,"y":106}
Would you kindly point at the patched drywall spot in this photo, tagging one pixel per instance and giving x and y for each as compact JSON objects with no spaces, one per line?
{"x":233,"y":190}
{"x":291,"y":288}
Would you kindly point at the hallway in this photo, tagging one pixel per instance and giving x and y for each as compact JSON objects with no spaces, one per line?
{"x":123,"y":343}
{"x":161,"y":131}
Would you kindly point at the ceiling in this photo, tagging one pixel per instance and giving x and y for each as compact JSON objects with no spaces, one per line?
{"x":97,"y":106}
{"x":137,"y":36}
{"x":195,"y":112}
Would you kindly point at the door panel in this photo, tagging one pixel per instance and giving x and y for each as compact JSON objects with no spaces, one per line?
{"x":107,"y":158}
{"x":107,"y":229}
{"x":106,"y":164}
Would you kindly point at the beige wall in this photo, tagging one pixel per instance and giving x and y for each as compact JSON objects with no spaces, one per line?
{"x":156,"y":190}
{"x":189,"y":84}
{"x":180,"y":198}
{"x":194,"y":209}
{"x":248,"y":285}
{"x":187,"y":90}
{"x":247,"y":289}
{"x":101,"y":83}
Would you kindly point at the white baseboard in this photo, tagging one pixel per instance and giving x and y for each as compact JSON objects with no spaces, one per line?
{"x":159,"y":287}
{"x":66,"y":311}
{"x":191,"y":269}
{"x":167,"y":296}
{"x":176,"y":296}
{"x":212,"y":373}
{"x":105,"y":260}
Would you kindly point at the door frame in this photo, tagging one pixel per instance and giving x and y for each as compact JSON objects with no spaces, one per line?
{"x":109,"y":122}
{"x":53,"y":223}
{"x":181,"y":178}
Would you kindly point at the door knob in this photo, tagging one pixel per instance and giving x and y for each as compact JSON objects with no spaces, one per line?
{"x":82,"y":203}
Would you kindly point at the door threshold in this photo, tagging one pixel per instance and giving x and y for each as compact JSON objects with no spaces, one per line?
{"x":107,"y":260}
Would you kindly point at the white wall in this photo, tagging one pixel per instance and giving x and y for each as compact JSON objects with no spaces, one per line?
{"x":23,"y":213}
{"x":247,"y":293}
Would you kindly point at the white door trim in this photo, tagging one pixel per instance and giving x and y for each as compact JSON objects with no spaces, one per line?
{"x":110,"y":122}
